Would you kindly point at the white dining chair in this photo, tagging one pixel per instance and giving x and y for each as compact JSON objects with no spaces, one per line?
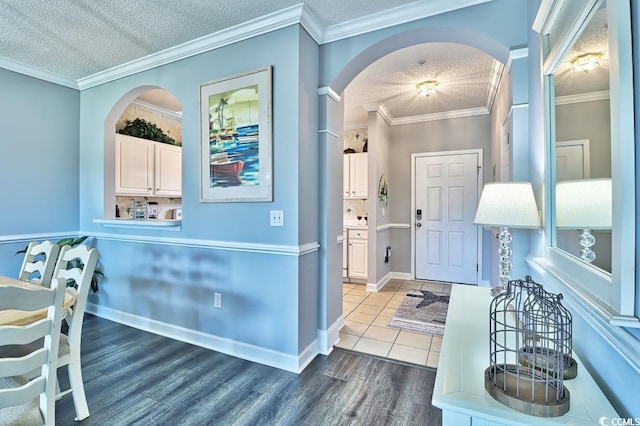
{"x":39,"y":262}
{"x":25,"y":401}
{"x":78,"y":282}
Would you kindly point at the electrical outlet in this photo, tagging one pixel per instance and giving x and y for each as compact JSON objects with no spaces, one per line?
{"x":277,"y":218}
{"x":217,"y":300}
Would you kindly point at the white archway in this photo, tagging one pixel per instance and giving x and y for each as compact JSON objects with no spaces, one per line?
{"x":331,"y":127}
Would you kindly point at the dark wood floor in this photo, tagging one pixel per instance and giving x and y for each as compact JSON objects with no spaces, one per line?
{"x":137,"y":378}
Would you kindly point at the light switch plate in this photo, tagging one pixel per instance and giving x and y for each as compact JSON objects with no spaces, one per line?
{"x":277,"y":218}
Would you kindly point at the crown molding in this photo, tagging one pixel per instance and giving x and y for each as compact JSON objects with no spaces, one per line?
{"x":582,"y":97}
{"x":246,"y":30}
{"x":328,"y":91}
{"x":381,"y":110}
{"x":298,"y":14}
{"x":395,"y":16}
{"x":38,"y":73}
{"x":523,"y":52}
{"x":157,"y":109}
{"x":470,"y":112}
{"x":494,"y":83}
{"x":392,"y":121}
{"x":311,"y":23}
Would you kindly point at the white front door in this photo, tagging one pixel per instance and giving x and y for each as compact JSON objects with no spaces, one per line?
{"x":446,"y":198}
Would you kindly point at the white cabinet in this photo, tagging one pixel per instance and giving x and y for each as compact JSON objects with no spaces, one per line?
{"x":355,"y":179}
{"x":168,"y":170}
{"x":357,"y":254}
{"x":148,"y":168}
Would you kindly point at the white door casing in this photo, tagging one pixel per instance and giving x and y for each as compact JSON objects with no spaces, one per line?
{"x":445,"y":242}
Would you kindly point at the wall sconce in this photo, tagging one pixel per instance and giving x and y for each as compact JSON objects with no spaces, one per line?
{"x":504,"y":205}
{"x":427,"y":87}
{"x":586,"y":62}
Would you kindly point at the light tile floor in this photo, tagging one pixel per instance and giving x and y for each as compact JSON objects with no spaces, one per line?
{"x":367,"y":315}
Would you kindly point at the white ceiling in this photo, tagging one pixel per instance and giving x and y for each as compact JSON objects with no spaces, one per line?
{"x":464,"y":75}
{"x":79,"y":39}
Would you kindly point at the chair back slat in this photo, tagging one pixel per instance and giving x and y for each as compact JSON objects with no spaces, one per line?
{"x":26,"y":392}
{"x":18,"y":335}
{"x":36,"y":269}
{"x":25,"y":299}
{"x":10,"y":367}
{"x":82,"y":279}
{"x":43,"y":358}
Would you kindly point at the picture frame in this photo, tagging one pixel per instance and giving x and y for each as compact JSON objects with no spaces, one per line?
{"x":236,"y":138}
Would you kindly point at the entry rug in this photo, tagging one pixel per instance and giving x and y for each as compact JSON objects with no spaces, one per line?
{"x":422,"y":311}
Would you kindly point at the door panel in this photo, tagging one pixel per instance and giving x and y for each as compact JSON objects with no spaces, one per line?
{"x":446,"y":239}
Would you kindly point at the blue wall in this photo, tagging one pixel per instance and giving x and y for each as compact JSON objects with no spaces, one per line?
{"x":269,"y":291}
{"x":39,"y":161}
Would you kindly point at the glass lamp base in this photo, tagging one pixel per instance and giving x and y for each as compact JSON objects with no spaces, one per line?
{"x":496,"y":291}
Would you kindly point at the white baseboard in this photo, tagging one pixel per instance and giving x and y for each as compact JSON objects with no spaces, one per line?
{"x":401,"y":276}
{"x":378,"y":286}
{"x":242,"y":350}
{"x":327,"y":338}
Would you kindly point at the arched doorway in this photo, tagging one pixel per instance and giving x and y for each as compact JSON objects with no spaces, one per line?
{"x":331,"y":131}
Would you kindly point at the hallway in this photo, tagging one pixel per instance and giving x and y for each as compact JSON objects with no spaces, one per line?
{"x":367,"y":316}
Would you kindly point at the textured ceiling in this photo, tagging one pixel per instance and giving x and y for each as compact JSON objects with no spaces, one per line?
{"x":463,"y":74}
{"x":592,"y":40}
{"x":78,"y":38}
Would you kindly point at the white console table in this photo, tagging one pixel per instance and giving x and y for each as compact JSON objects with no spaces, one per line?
{"x":459,"y":388}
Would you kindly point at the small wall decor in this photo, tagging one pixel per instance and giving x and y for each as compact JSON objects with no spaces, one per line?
{"x":383,"y":191}
{"x":236,"y":138}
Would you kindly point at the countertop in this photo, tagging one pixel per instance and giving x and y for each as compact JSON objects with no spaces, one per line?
{"x":353,"y":223}
{"x":459,"y":388}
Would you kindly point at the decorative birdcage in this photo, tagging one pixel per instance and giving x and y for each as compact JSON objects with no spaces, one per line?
{"x":533,"y":354}
{"x":529,"y":331}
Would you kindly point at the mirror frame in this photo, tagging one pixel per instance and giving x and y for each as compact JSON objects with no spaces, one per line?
{"x":560,"y":23}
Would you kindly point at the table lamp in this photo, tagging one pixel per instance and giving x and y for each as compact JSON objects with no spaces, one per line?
{"x":584,"y":204}
{"x":507,"y":205}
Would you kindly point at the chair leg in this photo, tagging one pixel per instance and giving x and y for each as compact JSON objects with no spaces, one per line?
{"x":77,"y":387}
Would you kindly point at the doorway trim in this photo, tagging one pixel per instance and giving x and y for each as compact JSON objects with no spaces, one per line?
{"x":412,"y":217}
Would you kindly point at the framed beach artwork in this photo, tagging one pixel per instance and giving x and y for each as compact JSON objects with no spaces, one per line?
{"x":236,"y":145}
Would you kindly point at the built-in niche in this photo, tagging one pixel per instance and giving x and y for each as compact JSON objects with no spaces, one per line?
{"x":144,"y":167}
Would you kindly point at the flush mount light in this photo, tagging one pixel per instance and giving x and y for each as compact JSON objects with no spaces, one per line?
{"x":586,"y":62}
{"x":427,"y":87}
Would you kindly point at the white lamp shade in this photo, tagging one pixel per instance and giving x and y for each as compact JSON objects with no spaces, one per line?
{"x":584,"y":204}
{"x":510,"y":204}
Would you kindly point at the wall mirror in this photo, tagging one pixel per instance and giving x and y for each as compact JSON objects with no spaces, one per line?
{"x":590,"y":178}
{"x":583,"y":203}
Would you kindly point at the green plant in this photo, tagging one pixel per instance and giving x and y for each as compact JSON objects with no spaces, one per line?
{"x":141,"y":128}
{"x":75,"y":263}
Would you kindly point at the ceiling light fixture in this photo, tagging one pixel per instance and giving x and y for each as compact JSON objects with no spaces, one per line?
{"x":586,"y":62}
{"x":427,"y":87}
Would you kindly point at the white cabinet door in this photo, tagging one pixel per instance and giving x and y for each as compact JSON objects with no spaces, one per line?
{"x":357,"y":253}
{"x":149,"y":168}
{"x":357,"y":258}
{"x":346,"y":191}
{"x":168,"y":168}
{"x":358,"y":175}
{"x":355,"y":177}
{"x":134,"y":166}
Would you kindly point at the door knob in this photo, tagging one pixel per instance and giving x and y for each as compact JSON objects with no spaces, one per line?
{"x":418,"y":224}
